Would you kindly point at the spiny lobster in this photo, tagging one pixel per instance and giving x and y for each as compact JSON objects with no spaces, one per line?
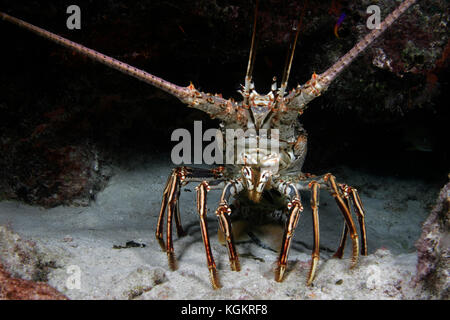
{"x":260,"y":172}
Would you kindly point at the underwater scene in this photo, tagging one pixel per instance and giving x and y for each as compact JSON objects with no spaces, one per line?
{"x":224,"y":150}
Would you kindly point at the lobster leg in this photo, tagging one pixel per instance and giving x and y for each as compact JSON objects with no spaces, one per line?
{"x":171,"y":210}
{"x":340,"y":251}
{"x":315,"y":212}
{"x":180,"y":230}
{"x":223,"y":213}
{"x":178,"y":177}
{"x":329,"y":178}
{"x":202,"y":190}
{"x":360,"y":214}
{"x":160,"y":224}
{"x":351,"y":195}
{"x":295,"y":208}
{"x":170,"y":201}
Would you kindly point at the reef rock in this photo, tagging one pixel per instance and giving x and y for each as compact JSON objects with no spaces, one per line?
{"x":20,"y":289}
{"x":24,"y":269}
{"x":433,"y":248}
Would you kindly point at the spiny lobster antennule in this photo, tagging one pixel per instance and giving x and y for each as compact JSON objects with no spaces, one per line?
{"x":251,"y":60}
{"x":290,"y":57}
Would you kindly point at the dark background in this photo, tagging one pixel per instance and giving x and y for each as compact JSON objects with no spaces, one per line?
{"x":60,"y":112}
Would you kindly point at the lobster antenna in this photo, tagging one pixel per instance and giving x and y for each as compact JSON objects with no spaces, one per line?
{"x":251,"y":59}
{"x":290,"y":58}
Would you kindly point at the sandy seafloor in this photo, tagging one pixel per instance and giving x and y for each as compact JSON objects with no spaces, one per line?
{"x":127,"y":210}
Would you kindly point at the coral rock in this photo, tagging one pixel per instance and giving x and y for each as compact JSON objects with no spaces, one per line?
{"x":433,"y":248}
{"x":20,"y":289}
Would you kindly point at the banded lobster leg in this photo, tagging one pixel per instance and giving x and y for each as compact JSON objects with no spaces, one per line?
{"x":295,"y":208}
{"x":314,"y":186}
{"x":223,"y":214}
{"x":180,"y":176}
{"x":344,"y":195}
{"x":351,"y":196}
{"x":202,"y":190}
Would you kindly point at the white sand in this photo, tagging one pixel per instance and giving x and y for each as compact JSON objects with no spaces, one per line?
{"x":128,"y":209}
